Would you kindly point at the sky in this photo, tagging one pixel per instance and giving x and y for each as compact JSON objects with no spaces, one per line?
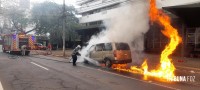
{"x":69,"y":2}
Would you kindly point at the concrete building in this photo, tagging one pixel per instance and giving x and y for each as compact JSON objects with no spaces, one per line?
{"x":93,"y":13}
{"x":97,"y":10}
{"x":187,"y":21}
{"x":185,"y":14}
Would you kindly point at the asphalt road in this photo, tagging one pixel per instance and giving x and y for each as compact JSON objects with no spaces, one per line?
{"x":31,"y":73}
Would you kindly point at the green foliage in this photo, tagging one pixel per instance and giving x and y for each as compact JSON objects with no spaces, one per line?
{"x":48,"y":18}
{"x":17,"y":17}
{"x":14,"y":14}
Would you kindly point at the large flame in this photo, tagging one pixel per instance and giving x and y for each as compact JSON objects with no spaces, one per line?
{"x":166,"y":68}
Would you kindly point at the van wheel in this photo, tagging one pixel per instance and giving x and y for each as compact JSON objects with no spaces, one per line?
{"x":10,"y":52}
{"x":108,"y":63}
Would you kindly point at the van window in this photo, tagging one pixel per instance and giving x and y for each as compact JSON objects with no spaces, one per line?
{"x":99,"y":47}
{"x":92,"y":48}
{"x":122,"y":46}
{"x":108,"y":47}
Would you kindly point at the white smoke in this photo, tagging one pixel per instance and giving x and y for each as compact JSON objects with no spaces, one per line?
{"x":128,"y":24}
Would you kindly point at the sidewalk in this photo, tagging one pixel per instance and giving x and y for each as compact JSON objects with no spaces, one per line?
{"x":1,"y":48}
{"x":56,"y":55}
{"x":178,"y":61}
{"x":152,"y":58}
{"x":53,"y":58}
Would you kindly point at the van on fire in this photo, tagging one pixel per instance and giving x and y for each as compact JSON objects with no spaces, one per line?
{"x":12,"y":43}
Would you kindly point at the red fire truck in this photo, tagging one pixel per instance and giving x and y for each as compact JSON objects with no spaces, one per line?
{"x":12,"y":43}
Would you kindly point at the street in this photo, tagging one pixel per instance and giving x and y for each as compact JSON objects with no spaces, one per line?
{"x":39,"y":73}
{"x":118,"y":45}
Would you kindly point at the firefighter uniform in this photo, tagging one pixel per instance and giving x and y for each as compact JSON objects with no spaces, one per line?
{"x":75,"y":53}
{"x":23,"y":50}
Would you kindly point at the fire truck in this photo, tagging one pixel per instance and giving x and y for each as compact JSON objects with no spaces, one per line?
{"x":12,"y":43}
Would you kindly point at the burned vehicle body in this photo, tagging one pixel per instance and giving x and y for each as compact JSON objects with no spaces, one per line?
{"x":110,"y":53}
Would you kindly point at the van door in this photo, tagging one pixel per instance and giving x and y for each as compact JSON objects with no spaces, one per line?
{"x":107,"y":52}
{"x":91,"y":51}
{"x":122,"y":51}
{"x":97,"y":54}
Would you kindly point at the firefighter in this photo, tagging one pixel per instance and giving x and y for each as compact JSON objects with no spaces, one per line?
{"x":23,"y":50}
{"x":76,"y":53}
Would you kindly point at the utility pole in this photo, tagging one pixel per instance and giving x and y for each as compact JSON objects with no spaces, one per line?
{"x":64,"y":16}
{"x":0,"y":8}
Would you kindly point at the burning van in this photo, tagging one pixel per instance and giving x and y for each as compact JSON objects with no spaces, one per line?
{"x":110,"y":53}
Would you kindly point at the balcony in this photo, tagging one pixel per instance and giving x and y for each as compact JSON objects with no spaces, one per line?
{"x":79,"y":2}
{"x":97,"y":6}
{"x":104,"y":15}
{"x":166,"y":3}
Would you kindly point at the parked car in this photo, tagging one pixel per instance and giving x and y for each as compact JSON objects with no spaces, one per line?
{"x":110,"y":53}
{"x":39,"y":46}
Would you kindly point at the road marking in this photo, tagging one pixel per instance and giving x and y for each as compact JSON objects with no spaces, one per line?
{"x":133,"y":78}
{"x":1,"y":87}
{"x":40,"y":66}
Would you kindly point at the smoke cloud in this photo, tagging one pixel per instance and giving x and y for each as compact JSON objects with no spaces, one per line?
{"x":128,"y":24}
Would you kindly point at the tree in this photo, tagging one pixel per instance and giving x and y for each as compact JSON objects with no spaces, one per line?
{"x":16,"y":16}
{"x":48,"y":17}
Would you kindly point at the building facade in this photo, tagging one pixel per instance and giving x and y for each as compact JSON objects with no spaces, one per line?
{"x":187,"y":22}
{"x":94,"y":12}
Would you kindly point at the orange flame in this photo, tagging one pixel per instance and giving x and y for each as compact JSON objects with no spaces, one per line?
{"x":166,"y":68}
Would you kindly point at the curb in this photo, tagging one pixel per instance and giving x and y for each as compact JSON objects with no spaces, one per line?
{"x":53,"y":59}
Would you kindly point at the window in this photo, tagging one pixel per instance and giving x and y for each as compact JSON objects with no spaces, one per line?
{"x":93,"y":23}
{"x":190,"y":35}
{"x":108,"y":47}
{"x":122,"y":46}
{"x":190,"y":38}
{"x":99,"y":47}
{"x":198,"y":38}
{"x":92,"y":48}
